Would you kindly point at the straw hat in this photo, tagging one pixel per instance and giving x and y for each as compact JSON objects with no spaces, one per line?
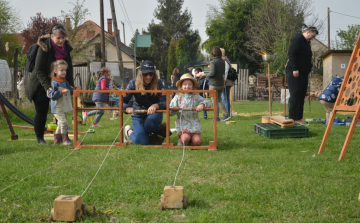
{"x":186,"y":77}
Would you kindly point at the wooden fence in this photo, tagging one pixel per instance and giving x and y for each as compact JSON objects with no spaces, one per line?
{"x":241,"y":86}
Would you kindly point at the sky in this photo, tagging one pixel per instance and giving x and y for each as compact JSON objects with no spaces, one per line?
{"x":140,"y":13}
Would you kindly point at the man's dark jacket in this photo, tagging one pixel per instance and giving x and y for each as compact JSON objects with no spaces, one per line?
{"x":299,"y":55}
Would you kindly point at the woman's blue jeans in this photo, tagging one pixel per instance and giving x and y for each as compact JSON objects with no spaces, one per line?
{"x":226,"y":98}
{"x":143,"y":126}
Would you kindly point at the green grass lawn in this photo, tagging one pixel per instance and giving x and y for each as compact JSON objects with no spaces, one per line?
{"x":249,"y":179}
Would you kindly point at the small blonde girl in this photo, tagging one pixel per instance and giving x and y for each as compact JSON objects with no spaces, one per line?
{"x":60,"y":100}
{"x":188,"y":125}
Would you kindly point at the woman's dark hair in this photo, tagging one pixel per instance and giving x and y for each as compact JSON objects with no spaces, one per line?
{"x":198,"y":70}
{"x":312,"y":30}
{"x":57,"y":27}
{"x":21,"y":75}
{"x":216,"y":52}
{"x":175,"y":71}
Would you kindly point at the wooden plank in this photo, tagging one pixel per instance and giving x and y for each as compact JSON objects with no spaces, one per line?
{"x":283,"y":125}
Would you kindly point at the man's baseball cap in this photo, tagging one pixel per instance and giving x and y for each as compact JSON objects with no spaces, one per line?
{"x":147,"y":67}
{"x":190,"y":65}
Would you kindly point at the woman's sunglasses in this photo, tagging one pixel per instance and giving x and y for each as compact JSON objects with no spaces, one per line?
{"x":148,"y":74}
{"x":58,"y":27}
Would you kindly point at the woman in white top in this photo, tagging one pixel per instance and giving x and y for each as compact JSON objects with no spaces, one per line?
{"x":20,"y":86}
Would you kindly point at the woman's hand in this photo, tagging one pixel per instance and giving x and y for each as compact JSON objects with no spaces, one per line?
{"x":152,"y":109}
{"x":129,"y":110}
{"x":200,"y":107}
{"x":47,"y":91}
{"x":78,"y":88}
{"x":296,"y":73}
{"x":66,"y":90}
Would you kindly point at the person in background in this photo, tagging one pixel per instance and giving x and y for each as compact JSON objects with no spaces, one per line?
{"x":100,"y":98}
{"x":53,"y":46}
{"x":20,"y":86}
{"x":329,"y":95}
{"x":216,"y":80}
{"x":203,"y":84}
{"x":191,"y":69}
{"x":225,"y":95}
{"x":177,"y":74}
{"x":297,"y":70}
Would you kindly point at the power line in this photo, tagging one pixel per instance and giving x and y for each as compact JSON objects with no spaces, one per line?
{"x":345,"y":14}
{"x":126,"y":16}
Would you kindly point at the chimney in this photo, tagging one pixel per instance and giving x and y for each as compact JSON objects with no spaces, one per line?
{"x":110,"y":26}
{"x":68,"y":22}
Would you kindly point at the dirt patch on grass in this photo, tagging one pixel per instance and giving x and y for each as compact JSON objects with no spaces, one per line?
{"x":265,"y":113}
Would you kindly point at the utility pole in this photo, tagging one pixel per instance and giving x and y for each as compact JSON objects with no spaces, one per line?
{"x":0,"y":39}
{"x":117,"y":41}
{"x":123,"y":31}
{"x":102,"y":33}
{"x":329,"y":28}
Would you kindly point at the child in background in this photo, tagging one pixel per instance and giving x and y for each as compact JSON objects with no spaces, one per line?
{"x":203,"y":84}
{"x":100,"y":98}
{"x":190,"y":126}
{"x":61,"y":100}
{"x":329,"y":95}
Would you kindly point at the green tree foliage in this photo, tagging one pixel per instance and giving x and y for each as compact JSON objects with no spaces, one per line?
{"x":174,"y":23}
{"x":12,"y":41}
{"x":171,"y":57}
{"x":226,"y":28}
{"x":9,"y":18}
{"x":182,"y":54}
{"x":132,"y":41}
{"x":346,"y":39}
{"x":273,"y":25}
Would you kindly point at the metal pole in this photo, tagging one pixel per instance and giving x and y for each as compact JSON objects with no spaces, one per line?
{"x":117,"y":41}
{"x":102,"y":33}
{"x":329,"y":28}
{"x":269,"y":89}
{"x":123,"y":31}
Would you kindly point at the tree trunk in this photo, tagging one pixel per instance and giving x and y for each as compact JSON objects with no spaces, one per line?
{"x":14,"y":84}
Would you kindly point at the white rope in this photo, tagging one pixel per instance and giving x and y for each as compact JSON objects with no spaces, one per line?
{"x":48,"y":167}
{"x":182,"y":135}
{"x":105,"y":157}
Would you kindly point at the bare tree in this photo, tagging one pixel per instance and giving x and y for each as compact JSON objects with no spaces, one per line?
{"x":77,"y":32}
{"x":274,"y":24}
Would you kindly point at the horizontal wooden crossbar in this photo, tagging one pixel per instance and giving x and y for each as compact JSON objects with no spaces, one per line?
{"x":212,"y":93}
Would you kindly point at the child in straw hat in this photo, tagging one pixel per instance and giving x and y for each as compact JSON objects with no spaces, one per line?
{"x":188,"y":125}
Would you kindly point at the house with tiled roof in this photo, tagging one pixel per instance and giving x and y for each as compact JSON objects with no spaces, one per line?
{"x":90,"y":33}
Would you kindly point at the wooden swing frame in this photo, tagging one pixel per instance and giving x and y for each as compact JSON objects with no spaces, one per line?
{"x":78,"y":144}
{"x":351,"y":81}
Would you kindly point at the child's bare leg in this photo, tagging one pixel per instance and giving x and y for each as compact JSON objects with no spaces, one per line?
{"x":184,"y":138}
{"x":196,"y":140}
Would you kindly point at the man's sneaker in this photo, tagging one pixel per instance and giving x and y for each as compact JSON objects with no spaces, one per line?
{"x":84,"y":117}
{"x":225,"y":117}
{"x":217,"y":119}
{"x":205,"y":117}
{"x":96,"y":125}
{"x":301,"y":122}
{"x":127,"y":137}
